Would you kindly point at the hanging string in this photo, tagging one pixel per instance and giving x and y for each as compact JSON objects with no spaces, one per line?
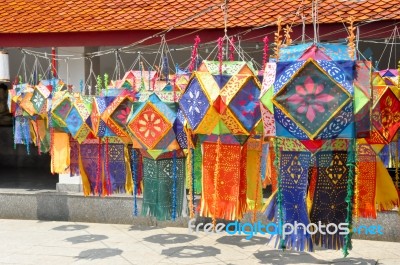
{"x":134,"y":177}
{"x":121,"y":62}
{"x":265,"y":52}
{"x":91,"y":89}
{"x":67,"y":64}
{"x":33,"y":75}
{"x":141,"y":76}
{"x":240,"y":49}
{"x":25,"y":74}
{"x":165,"y":68}
{"x":392,"y":35}
{"x":395,"y":35}
{"x":357,"y":42}
{"x":174,"y":186}
{"x":117,"y":70}
{"x":150,"y":68}
{"x":220,"y":53}
{"x":224,"y":8}
{"x":303,"y":30}
{"x":194,"y":53}
{"x":53,"y":62}
{"x":314,"y":13}
{"x":232,"y":49}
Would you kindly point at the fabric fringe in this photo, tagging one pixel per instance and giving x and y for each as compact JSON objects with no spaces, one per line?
{"x":387,"y":197}
{"x":270,"y":207}
{"x":367,"y":212}
{"x":299,"y":242}
{"x":87,"y":186}
{"x":328,"y":241}
{"x":60,"y":159}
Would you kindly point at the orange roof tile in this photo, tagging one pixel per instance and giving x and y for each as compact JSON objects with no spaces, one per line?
{"x":34,"y":16}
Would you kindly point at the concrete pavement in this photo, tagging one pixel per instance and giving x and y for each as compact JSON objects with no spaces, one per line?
{"x":49,"y":242}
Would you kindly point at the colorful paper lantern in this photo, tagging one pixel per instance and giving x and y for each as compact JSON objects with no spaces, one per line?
{"x":226,"y":103}
{"x":314,"y":99}
{"x":151,"y":124}
{"x":116,"y":114}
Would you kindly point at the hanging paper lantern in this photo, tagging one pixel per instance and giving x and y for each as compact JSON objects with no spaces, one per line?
{"x":224,"y":103}
{"x":181,"y":81}
{"x":26,"y":107}
{"x":40,"y":97}
{"x":99,"y":127}
{"x":138,"y":80}
{"x":77,"y":116}
{"x":15,"y":97}
{"x":151,"y":125}
{"x":116,"y":114}
{"x":314,"y":99}
{"x":61,"y":106}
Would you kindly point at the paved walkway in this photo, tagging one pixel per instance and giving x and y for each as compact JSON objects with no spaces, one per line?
{"x":39,"y":243}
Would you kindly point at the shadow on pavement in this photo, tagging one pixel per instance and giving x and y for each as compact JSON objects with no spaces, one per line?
{"x":191,"y":252}
{"x":142,"y":228}
{"x":241,"y":241}
{"x":165,"y":239}
{"x":279,"y":257}
{"x":99,"y":253}
{"x":70,"y":227}
{"x":86,"y":238}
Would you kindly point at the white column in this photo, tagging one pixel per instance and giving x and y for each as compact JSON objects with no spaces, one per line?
{"x":73,"y":72}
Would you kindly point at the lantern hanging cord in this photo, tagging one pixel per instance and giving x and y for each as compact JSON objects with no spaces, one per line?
{"x":125,"y":49}
{"x":225,"y":8}
{"x":392,"y":36}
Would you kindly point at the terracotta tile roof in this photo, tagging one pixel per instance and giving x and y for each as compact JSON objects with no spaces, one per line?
{"x":31,"y":16}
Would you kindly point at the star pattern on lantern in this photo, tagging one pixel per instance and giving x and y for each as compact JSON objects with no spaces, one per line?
{"x":226,"y":103}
